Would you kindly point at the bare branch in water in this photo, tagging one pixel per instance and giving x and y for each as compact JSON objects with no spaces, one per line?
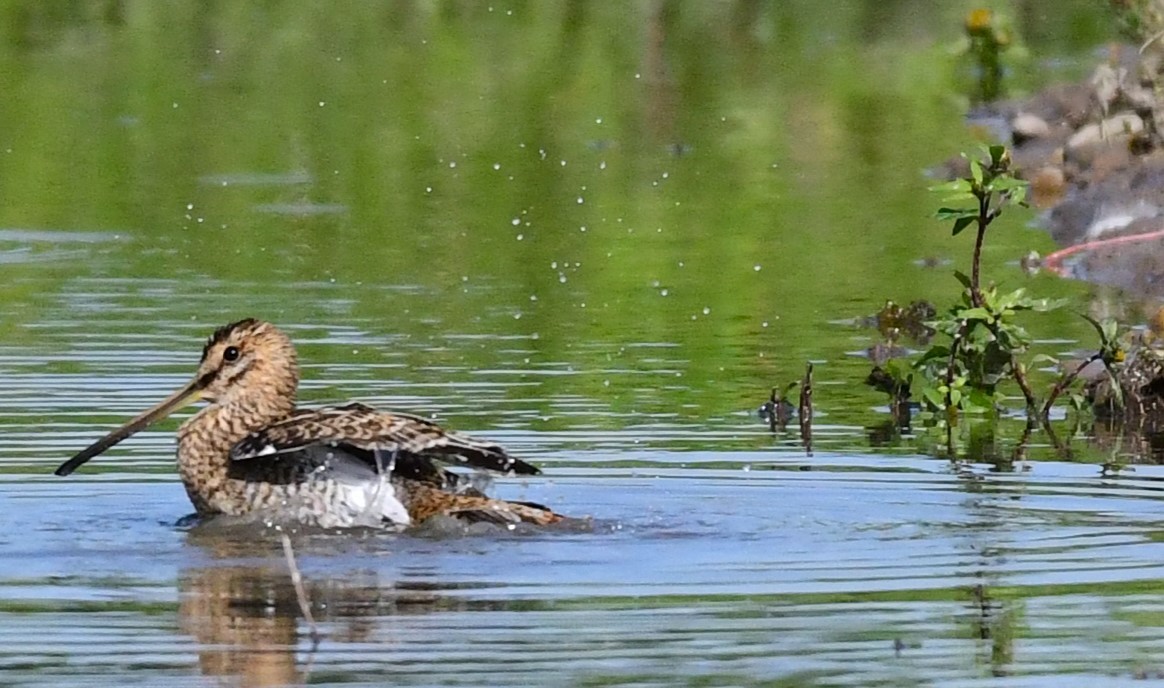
{"x":806,"y":409}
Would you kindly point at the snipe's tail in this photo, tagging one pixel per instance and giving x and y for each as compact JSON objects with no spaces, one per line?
{"x":424,"y":501}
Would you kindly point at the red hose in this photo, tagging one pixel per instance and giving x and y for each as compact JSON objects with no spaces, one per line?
{"x":1053,"y":261}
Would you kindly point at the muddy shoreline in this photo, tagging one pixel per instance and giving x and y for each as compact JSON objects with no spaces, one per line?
{"x":1093,"y":152}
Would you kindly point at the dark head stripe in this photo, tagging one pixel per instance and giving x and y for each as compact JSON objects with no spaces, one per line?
{"x":222,"y":333}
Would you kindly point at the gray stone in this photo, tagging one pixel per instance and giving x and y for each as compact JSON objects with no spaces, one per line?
{"x":1116,"y":128}
{"x":1026,"y":126}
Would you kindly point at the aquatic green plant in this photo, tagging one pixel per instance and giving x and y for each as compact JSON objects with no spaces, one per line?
{"x":984,"y":341}
{"x":1110,"y":353}
{"x":979,"y":347}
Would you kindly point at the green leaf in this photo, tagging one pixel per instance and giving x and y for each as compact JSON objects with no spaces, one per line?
{"x":996,"y":152}
{"x":934,"y":353}
{"x":1045,"y":305}
{"x":955,"y":213}
{"x":900,"y":370}
{"x":1044,"y":358}
{"x":955,"y":397}
{"x":1019,"y":196}
{"x":959,"y":197}
{"x":962,"y":223}
{"x":981,"y":399}
{"x":1108,"y":331}
{"x":1116,"y":390}
{"x":934,"y":397}
{"x":976,"y":314}
{"x":1005,"y":183}
{"x":1012,"y":299}
{"x":963,"y":278}
{"x":957,"y":186}
{"x":976,"y":171}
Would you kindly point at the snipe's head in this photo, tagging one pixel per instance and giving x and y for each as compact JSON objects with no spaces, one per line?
{"x":249,"y":363}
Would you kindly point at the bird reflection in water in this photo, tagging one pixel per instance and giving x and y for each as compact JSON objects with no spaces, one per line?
{"x":248,"y":623}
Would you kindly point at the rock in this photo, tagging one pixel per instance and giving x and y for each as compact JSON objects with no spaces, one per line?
{"x":1090,"y":163}
{"x":1026,"y":126}
{"x":1158,"y":119}
{"x":1118,"y":127}
{"x":1108,"y":161}
{"x":1047,"y":186}
{"x":1069,"y":104}
{"x":1139,"y":98}
{"x":1088,"y":135}
{"x":1105,"y":83}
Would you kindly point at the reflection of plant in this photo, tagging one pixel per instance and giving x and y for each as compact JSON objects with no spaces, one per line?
{"x":778,"y":410}
{"x":894,"y":320}
{"x":895,"y":378}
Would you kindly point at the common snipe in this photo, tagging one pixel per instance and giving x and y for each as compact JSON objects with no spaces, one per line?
{"x":251,"y":452}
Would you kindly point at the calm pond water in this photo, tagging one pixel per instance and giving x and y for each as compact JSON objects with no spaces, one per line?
{"x":597,"y":233}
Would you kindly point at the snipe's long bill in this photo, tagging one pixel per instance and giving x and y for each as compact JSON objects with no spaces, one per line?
{"x":250,"y":451}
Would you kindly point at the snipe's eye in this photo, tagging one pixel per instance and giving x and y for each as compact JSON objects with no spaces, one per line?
{"x":230,"y":353}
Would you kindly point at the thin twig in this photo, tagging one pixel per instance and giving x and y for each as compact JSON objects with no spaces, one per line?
{"x":1020,"y":450}
{"x":952,"y":363}
{"x":1065,"y":382}
{"x":1151,"y":39}
{"x":1063,"y":450}
{"x":984,"y":219}
{"x":300,"y":592}
{"x":773,"y":412}
{"x":1020,"y":376}
{"x":1117,"y":388}
{"x":805,"y":411}
{"x":950,"y":440}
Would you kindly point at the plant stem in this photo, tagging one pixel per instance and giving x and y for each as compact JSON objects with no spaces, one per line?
{"x":1065,"y":382}
{"x":1061,"y":449}
{"x":1020,"y":451}
{"x":773,"y":416}
{"x":951,"y":365}
{"x":984,"y":219}
{"x":806,"y":409}
{"x":1020,"y":376}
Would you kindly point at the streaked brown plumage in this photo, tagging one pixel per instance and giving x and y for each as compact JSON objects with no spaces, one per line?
{"x":250,"y":452}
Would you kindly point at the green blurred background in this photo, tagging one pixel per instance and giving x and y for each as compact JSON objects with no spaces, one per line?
{"x":650,"y":210}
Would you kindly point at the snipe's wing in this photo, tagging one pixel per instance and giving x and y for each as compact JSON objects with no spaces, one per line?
{"x":377,"y":437}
